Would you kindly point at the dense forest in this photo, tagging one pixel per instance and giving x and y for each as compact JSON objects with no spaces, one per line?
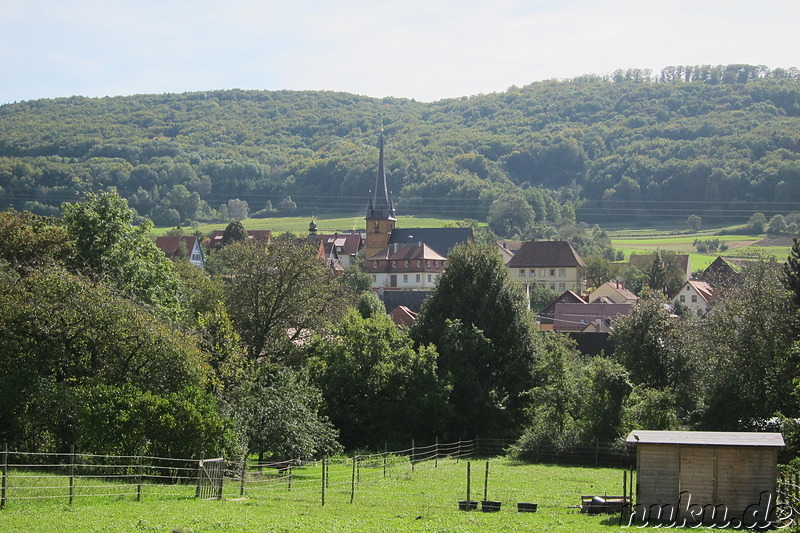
{"x":717,"y":141}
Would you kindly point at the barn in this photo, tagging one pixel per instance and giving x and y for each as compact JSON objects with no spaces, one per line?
{"x":706,"y":476}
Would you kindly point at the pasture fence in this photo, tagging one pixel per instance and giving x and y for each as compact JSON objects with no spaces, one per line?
{"x":67,"y":477}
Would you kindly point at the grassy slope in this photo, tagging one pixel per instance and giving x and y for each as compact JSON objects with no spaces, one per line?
{"x":425,"y":500}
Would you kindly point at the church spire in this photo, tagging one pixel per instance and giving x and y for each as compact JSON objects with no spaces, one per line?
{"x":380,"y":204}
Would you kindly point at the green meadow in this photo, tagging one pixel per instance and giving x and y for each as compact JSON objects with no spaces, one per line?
{"x":425,"y":499}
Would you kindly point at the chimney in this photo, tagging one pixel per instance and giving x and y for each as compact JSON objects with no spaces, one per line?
{"x":420,"y":244}
{"x":395,"y":247}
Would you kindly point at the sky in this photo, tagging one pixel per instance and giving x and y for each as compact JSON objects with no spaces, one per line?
{"x":422,"y":49}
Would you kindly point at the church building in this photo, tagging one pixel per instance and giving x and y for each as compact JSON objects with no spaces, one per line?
{"x":407,"y":258}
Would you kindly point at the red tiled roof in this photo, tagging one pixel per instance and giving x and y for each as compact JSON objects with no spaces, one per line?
{"x":703,"y":289}
{"x":545,"y":254}
{"x":575,"y":317}
{"x":350,"y":243}
{"x":402,"y":316}
{"x":171,"y":244}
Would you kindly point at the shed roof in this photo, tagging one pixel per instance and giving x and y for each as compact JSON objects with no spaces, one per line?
{"x":711,"y":438}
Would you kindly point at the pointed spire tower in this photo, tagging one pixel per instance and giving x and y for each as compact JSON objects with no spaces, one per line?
{"x":380,"y":211}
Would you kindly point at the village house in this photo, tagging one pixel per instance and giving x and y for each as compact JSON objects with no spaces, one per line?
{"x":613,"y":292}
{"x":695,"y":296}
{"x":185,"y":247}
{"x":554,"y":264}
{"x":405,"y":266}
{"x":588,"y":318}
{"x":680,"y":262}
{"x":214,"y":240}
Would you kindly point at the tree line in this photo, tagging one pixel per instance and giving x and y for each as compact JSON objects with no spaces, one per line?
{"x":108,"y":346}
{"x":720,"y":141}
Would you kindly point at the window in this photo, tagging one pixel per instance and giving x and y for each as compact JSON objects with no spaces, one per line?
{"x":405,"y":265}
{"x":552,"y":272}
{"x":374,"y":264}
{"x":418,"y":278}
{"x":542,"y":272}
{"x":683,"y":298}
{"x":428,"y":263}
{"x":394,"y":265}
{"x":419,"y":263}
{"x":522,"y":272}
{"x":694,"y":298}
{"x":429,"y":278}
{"x":562,"y":272}
{"x":374,"y":278}
{"x":562,"y":286}
{"x":436,"y":265}
{"x":552,"y":286}
{"x":405,"y":278}
{"x":533,"y":272}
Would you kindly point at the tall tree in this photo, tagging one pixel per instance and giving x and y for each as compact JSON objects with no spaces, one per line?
{"x":378,"y":388}
{"x":478,"y":319}
{"x":279,"y":293}
{"x":108,"y":247}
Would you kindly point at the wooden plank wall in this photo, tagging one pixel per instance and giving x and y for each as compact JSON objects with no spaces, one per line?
{"x":731,"y":476}
{"x":657,"y":479}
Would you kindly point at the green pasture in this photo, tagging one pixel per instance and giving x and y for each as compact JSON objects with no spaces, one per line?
{"x":425,"y":499}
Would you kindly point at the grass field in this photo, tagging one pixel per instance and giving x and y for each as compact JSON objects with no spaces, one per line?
{"x":423,"y":500}
{"x":334,"y":224}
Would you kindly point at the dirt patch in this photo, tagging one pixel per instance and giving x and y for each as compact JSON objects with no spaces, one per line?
{"x":776,"y":240}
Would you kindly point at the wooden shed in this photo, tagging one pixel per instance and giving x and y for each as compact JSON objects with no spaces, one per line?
{"x":694,"y":474}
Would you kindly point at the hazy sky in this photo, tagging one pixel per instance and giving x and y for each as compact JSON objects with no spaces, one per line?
{"x":423,"y":49}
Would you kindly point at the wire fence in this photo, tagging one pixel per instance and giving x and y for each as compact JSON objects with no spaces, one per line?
{"x":67,"y":477}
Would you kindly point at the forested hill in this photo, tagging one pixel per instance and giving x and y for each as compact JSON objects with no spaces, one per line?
{"x":716,"y":141}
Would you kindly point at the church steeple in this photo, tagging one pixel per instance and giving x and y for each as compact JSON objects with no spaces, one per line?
{"x":380,"y":204}
{"x":380,"y":211}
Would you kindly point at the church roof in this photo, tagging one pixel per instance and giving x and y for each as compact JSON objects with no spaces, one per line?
{"x":442,"y":240}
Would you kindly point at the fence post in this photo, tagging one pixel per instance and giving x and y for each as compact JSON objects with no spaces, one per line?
{"x":71,"y":474}
{"x":289,"y":487}
{"x":596,"y":450}
{"x":353,"y":480}
{"x":139,"y":470}
{"x":324,"y":460}
{"x":385,"y":454}
{"x":412,"y":455}
{"x":458,"y":452}
{"x":199,"y":474}
{"x":436,"y":455}
{"x":242,"y":474}
{"x":486,"y":483}
{"x":468,"y":476}
{"x":5,"y":477}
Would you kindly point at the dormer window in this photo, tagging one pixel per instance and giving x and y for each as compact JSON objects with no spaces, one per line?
{"x":394,"y":265}
{"x":436,"y":265}
{"x":375,"y":264}
{"x":419,"y":263}
{"x":428,"y":263}
{"x":405,"y":265}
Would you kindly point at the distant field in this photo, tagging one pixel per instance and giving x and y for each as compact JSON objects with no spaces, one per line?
{"x":642,"y":241}
{"x":324,"y":225}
